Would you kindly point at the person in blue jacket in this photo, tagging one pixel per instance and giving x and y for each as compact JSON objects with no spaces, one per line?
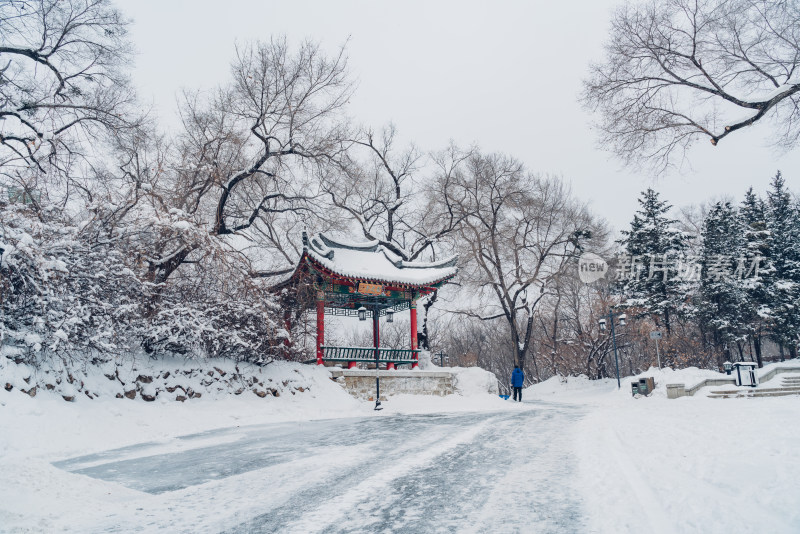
{"x":517,"y":379}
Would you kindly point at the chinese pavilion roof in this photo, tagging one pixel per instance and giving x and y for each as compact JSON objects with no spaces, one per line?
{"x":371,"y":262}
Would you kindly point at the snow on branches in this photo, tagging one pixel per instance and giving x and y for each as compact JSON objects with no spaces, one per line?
{"x":69,"y":290}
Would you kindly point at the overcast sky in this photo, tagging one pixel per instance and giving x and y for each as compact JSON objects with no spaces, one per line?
{"x":502,"y":75}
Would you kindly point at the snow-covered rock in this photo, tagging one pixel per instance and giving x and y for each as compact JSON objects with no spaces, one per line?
{"x":472,"y":381}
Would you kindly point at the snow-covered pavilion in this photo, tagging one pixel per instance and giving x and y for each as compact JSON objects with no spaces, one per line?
{"x":365,"y":279}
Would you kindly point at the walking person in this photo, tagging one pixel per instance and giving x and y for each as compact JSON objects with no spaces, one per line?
{"x":517,"y":379}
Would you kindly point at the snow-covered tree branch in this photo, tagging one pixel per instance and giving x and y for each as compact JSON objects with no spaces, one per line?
{"x":679,"y":70}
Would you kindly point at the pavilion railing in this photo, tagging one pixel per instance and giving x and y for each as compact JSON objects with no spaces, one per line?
{"x":367,"y":354}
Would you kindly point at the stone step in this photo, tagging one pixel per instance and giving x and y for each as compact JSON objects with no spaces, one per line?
{"x":771,"y":392}
{"x":753,"y":395}
{"x":759,"y":390}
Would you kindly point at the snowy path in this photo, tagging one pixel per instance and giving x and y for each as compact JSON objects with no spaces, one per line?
{"x":509,"y":471}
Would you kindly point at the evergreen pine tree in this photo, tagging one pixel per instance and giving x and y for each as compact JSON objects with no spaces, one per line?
{"x":783,"y":282}
{"x":758,"y":311}
{"x":723,"y":301}
{"x":653,"y":243}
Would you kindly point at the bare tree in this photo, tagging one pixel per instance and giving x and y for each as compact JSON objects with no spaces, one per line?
{"x":62,"y":85}
{"x":475,"y":341}
{"x":392,"y":195}
{"x":399,"y":198}
{"x":520,"y":231}
{"x":243,"y":168}
{"x":679,"y":70}
{"x":570,"y":338}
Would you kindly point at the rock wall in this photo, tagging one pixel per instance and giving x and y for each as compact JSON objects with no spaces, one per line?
{"x":361,"y":383}
{"x":148,"y":380}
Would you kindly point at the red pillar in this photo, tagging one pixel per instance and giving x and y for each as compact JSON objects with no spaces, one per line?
{"x":376,"y":333}
{"x":414,"y":333}
{"x":320,"y":330}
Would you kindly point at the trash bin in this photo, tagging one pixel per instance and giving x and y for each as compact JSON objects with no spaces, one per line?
{"x":745,"y":374}
{"x":643,"y":387}
{"x":651,"y":384}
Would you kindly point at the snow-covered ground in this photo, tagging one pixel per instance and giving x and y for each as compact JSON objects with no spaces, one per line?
{"x":577,"y":456}
{"x":693,"y":464}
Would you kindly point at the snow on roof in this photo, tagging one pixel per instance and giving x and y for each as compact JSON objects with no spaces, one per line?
{"x":369,"y":260}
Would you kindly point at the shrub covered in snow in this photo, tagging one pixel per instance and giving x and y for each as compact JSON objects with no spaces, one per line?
{"x":77,"y":290}
{"x":60,"y":293}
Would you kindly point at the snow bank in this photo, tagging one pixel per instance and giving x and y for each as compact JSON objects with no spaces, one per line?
{"x":472,"y":381}
{"x":469,"y":381}
{"x":578,"y":390}
{"x":570,"y":389}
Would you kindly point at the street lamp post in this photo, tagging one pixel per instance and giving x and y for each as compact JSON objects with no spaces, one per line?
{"x":622,"y":317}
{"x":376,"y":338}
{"x":362,"y":316}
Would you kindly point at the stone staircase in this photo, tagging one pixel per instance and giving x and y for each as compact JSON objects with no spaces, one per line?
{"x":789,"y":385}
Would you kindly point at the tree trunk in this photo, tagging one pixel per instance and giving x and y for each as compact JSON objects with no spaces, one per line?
{"x":159,"y":273}
{"x":423,"y":340}
{"x":555,"y":338}
{"x":519,"y":356}
{"x":757,"y":346}
{"x":667,"y":322}
{"x":535,"y":367}
{"x":601,"y":368}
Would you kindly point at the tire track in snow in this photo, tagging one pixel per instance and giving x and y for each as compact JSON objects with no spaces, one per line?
{"x":536,"y":494}
{"x":509,"y":475}
{"x":335,"y":507}
{"x":393,"y":438}
{"x":439,"y":492}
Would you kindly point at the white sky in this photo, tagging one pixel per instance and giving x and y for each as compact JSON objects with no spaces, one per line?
{"x":503,"y":75}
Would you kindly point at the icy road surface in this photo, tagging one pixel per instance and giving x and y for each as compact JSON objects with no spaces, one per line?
{"x":506,"y":472}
